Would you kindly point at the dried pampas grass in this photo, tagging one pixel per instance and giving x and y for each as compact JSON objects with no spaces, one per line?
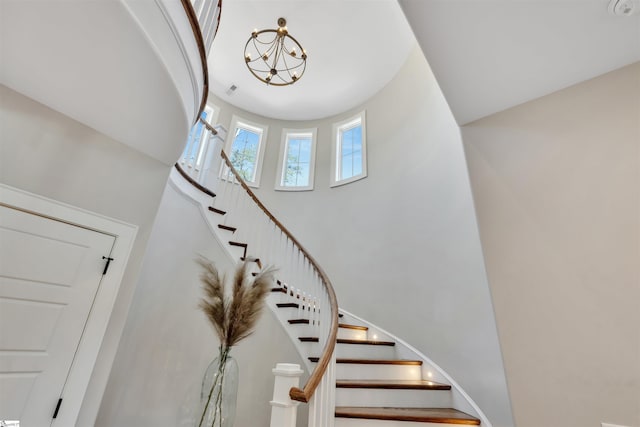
{"x":234,"y":318}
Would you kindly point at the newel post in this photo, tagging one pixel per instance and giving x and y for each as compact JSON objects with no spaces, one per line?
{"x":283,"y":409}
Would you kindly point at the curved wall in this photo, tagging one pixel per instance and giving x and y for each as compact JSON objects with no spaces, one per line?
{"x":167,"y":342}
{"x":122,"y":68}
{"x":401,"y":246}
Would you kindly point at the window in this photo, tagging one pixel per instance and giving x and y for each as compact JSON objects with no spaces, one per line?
{"x":210,"y":114}
{"x":297,"y":160}
{"x":245,"y":148}
{"x":192,"y":157}
{"x":349,"y":151}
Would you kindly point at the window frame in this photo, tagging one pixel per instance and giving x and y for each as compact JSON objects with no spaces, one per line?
{"x":284,"y":146}
{"x":336,"y":149}
{"x":203,"y":145}
{"x":238,"y":122}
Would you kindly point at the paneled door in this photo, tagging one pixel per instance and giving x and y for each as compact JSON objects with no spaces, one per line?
{"x":50,"y":273}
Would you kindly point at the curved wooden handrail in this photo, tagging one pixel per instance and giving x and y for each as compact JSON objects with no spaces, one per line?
{"x":302,"y":394}
{"x":197,"y":33}
{"x":193,"y":182}
{"x":208,"y":126}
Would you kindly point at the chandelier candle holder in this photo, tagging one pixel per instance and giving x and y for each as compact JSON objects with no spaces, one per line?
{"x":274,"y":56}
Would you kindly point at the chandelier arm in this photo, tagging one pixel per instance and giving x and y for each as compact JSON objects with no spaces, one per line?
{"x":289,"y":69}
{"x":257,"y":39}
{"x":286,"y":66}
{"x":279,"y":48}
{"x":270,"y":52}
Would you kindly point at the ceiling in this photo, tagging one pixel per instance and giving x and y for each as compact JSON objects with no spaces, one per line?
{"x":354,"y":48}
{"x":490,"y":55}
{"x":487,"y":55}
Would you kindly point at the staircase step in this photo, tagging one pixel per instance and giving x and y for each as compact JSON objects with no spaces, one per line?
{"x":393,"y":393}
{"x":447,"y":416}
{"x":352,"y":332}
{"x":227,"y":227}
{"x":365,"y":349}
{"x":396,"y":362}
{"x":342,"y":340}
{"x":298,"y":321}
{"x":365,"y":342}
{"x":288,"y":305}
{"x":377,"y":369}
{"x":356,"y":327}
{"x":354,"y":349}
{"x":238,"y":244}
{"x":280,"y":290}
{"x":393,"y":384}
{"x":218,"y":211}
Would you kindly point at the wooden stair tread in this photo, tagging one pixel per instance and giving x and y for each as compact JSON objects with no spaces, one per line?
{"x":375,"y":361}
{"x":218,"y":211}
{"x":239,"y":244}
{"x":393,"y":384}
{"x":227,"y":227}
{"x":365,"y":342}
{"x":425,"y":415}
{"x":347,"y":326}
{"x":344,"y":340}
{"x":288,"y":305}
{"x":284,"y":291}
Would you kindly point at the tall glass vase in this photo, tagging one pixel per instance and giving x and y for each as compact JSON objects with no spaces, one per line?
{"x":219,"y":392}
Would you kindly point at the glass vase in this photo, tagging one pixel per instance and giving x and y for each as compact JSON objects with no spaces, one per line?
{"x":219,"y":393}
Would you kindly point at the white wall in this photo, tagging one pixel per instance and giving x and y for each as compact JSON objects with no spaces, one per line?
{"x":556,"y":184}
{"x":168,"y":343}
{"x":402,"y":246}
{"x":46,"y":153}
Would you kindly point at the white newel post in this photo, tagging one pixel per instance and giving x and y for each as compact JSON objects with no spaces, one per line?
{"x":283,"y":409}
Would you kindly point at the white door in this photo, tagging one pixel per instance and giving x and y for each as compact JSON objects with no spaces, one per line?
{"x":50,"y":272}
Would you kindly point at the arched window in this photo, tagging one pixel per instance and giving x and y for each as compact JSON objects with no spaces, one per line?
{"x":349,"y":151}
{"x":296,"y":162}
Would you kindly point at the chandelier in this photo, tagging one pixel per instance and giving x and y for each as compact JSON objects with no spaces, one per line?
{"x":274,"y":57}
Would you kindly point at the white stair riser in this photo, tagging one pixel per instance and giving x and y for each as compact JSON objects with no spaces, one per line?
{"x":304,"y":330}
{"x":354,"y":351}
{"x":365,"y":351}
{"x":393,"y":398}
{"x":356,"y":422}
{"x":356,"y":371}
{"x":352,"y":334}
{"x":295,"y":313}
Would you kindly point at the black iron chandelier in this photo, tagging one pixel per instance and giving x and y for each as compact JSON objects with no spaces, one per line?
{"x":275,"y":57}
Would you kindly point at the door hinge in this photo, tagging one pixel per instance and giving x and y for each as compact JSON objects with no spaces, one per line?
{"x":106,"y":266}
{"x":55,"y":413}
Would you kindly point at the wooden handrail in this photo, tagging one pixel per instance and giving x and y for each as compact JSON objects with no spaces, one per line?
{"x":208,"y":126}
{"x":197,"y":33}
{"x":193,"y":182}
{"x":302,"y":394}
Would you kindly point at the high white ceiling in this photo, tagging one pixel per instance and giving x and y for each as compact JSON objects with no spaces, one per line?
{"x":488,"y":55}
{"x":354,"y":48}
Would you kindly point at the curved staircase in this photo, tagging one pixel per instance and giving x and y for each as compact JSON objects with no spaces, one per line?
{"x":372,"y":378}
{"x":375,"y":386}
